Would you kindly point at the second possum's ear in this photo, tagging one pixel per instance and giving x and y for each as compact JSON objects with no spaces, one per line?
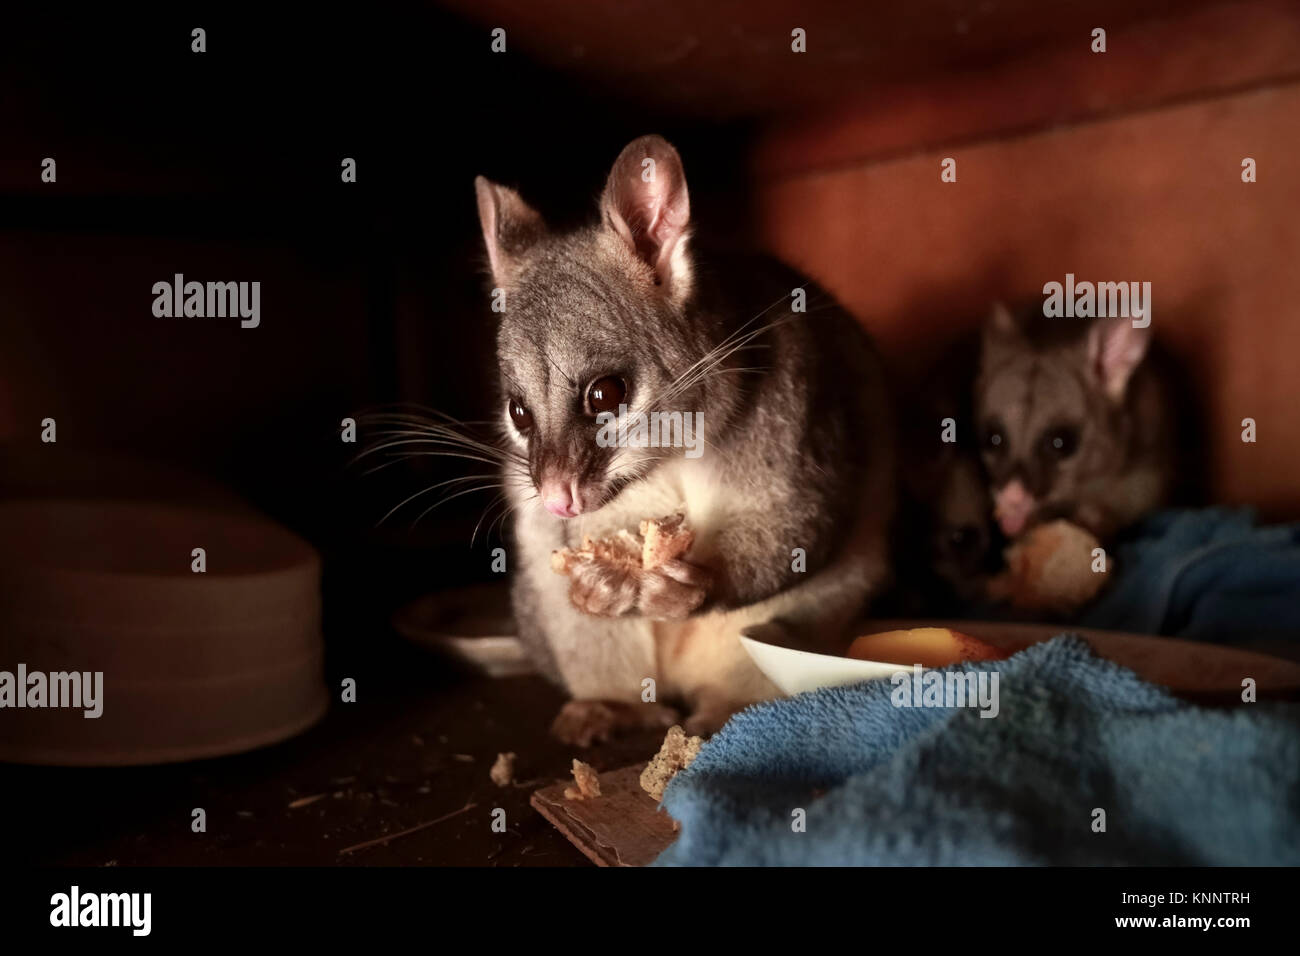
{"x":1115,"y":348}
{"x":646,"y":205}
{"x":510,"y":226}
{"x":1001,"y":331}
{"x":1001,"y":322}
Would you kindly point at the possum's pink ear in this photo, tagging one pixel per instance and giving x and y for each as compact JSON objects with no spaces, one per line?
{"x":1115,"y":349}
{"x":1001,"y":333}
{"x":509,"y":224}
{"x":645,"y":204}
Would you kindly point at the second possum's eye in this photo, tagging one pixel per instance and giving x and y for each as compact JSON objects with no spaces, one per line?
{"x":994,"y":440}
{"x":965,"y":541}
{"x":606,"y":394}
{"x":521,"y":416}
{"x":1061,"y":442}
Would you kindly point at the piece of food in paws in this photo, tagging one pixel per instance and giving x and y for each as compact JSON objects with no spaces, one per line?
{"x":661,"y":540}
{"x":622,"y":549}
{"x":665,"y":539}
{"x":587,"y":780}
{"x":1050,"y":569}
{"x":675,"y":755}
{"x":927,"y":646}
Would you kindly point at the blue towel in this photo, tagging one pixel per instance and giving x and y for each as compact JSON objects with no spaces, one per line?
{"x":1207,"y":574}
{"x":1179,"y":784}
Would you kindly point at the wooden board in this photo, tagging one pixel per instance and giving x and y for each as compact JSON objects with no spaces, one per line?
{"x":621,"y":827}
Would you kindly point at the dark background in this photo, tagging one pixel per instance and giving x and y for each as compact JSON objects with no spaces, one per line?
{"x":226,"y":166}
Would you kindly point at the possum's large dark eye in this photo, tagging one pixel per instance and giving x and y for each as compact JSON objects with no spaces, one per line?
{"x":606,"y":394}
{"x":1061,"y":442}
{"x":521,"y":416}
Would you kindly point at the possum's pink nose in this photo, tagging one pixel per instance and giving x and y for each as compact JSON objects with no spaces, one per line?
{"x":1012,"y":506}
{"x":561,"y":498}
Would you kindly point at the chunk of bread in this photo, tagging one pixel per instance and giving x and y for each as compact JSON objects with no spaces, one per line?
{"x":676,"y":754}
{"x":503,"y":770}
{"x":665,"y":540}
{"x":661,"y":540}
{"x":587,"y":780}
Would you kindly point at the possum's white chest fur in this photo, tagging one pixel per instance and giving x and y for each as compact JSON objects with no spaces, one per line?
{"x":690,"y":486}
{"x":698,"y":659}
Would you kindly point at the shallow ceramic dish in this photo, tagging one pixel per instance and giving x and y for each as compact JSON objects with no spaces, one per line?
{"x":1187,"y":668}
{"x":473,"y":625}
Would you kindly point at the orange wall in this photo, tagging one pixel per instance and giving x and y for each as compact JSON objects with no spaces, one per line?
{"x":1150,"y":196}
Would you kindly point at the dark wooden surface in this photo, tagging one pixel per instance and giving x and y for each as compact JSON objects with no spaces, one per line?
{"x":416,"y":746}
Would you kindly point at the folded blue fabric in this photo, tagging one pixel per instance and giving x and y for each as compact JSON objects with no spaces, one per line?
{"x":1204,"y":574}
{"x":886,"y":785}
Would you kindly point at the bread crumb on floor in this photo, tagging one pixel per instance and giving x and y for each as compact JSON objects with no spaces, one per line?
{"x":503,"y":770}
{"x":587,"y":780}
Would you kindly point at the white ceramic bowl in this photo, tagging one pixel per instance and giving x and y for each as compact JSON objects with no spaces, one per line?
{"x":798,"y":671}
{"x":1205,"y":672}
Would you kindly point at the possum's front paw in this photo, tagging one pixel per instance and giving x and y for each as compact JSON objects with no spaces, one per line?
{"x":585,"y":722}
{"x":673,"y":590}
{"x":603,"y":589}
{"x":626,"y":572}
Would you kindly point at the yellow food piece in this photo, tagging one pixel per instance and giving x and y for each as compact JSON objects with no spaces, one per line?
{"x":1050,"y":569}
{"x":927,"y":646}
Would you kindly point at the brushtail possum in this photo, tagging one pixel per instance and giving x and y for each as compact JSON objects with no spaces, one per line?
{"x":790,"y":487}
{"x":1076,"y":422}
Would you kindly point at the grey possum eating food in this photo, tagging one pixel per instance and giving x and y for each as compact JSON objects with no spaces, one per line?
{"x":1076,"y":422}
{"x":770,"y":435}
